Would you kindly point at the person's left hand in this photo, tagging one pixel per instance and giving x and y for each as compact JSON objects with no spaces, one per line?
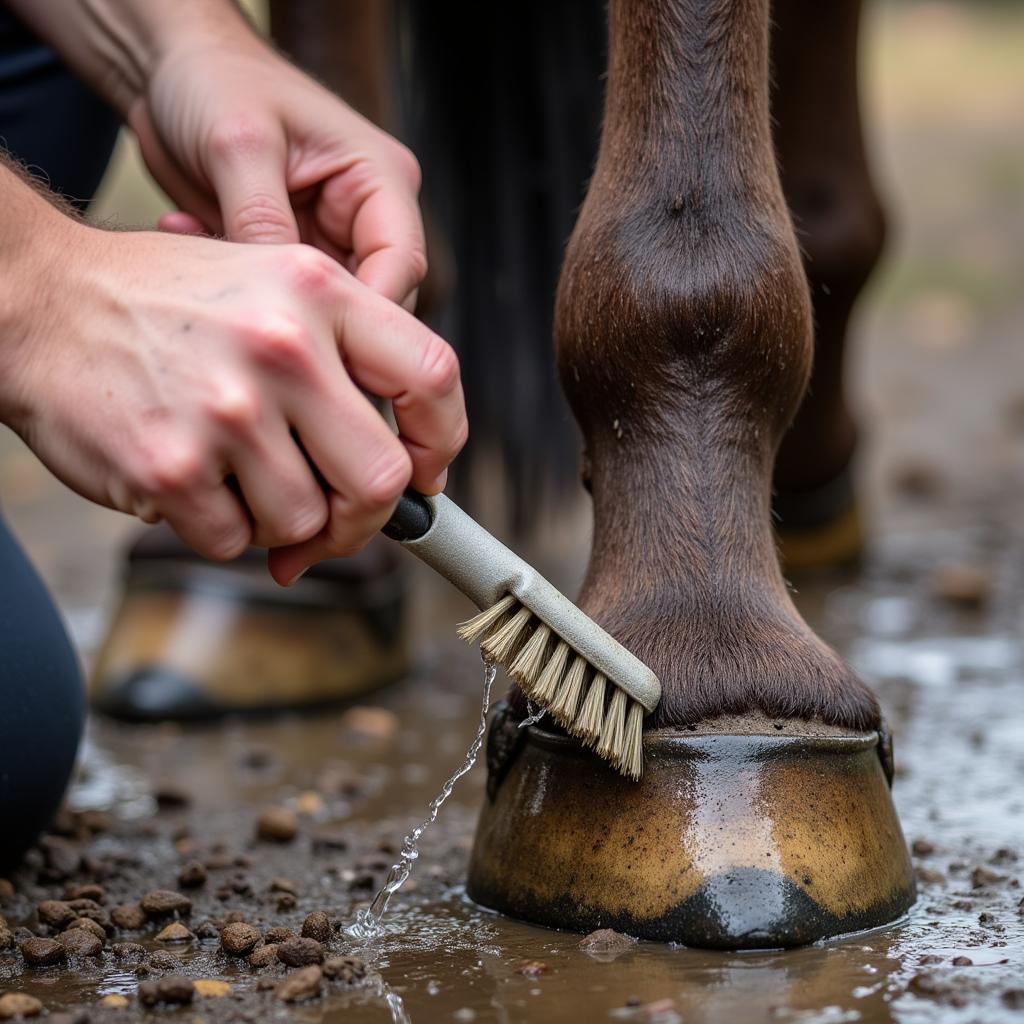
{"x":251,"y":148}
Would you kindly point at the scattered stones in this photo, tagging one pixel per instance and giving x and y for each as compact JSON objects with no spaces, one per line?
{"x":192,"y":875}
{"x":207,"y":930}
{"x":286,"y":901}
{"x":982,"y":876}
{"x":164,"y":903}
{"x":1004,"y":855}
{"x":317,"y":926}
{"x":300,"y":952}
{"x":78,"y":942}
{"x":89,"y":925}
{"x":42,"y":952}
{"x":922,"y":848}
{"x":19,"y":1004}
{"x":962,"y":961}
{"x":606,"y":940}
{"x":283,"y":885}
{"x":533,"y":968}
{"x":987,"y":920}
{"x":277,"y":825}
{"x":175,"y":932}
{"x":130,"y":952}
{"x":6,"y":935}
{"x":239,"y":939}
{"x":967,"y":586}
{"x":129,"y":916}
{"x":162,"y":960}
{"x":56,"y":913}
{"x":263,"y":956}
{"x":211,"y":988}
{"x":300,"y":985}
{"x":309,"y":803}
{"x":173,"y":989}
{"x":346,"y":969}
{"x":63,"y":858}
{"x":87,"y":891}
{"x":71,"y":1017}
{"x":92,"y":910}
{"x":115,"y":1001}
{"x":929,"y":876}
{"x":370,"y":725}
{"x":1013,"y":998}
{"x":278,"y":934}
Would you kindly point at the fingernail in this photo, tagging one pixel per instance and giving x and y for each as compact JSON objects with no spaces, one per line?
{"x":298,"y":576}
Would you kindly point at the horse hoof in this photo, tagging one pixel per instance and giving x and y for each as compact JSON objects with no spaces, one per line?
{"x":742,"y":834}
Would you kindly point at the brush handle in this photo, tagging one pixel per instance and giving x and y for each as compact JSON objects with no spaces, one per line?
{"x":439,"y":533}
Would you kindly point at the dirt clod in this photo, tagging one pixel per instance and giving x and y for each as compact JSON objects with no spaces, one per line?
{"x":962,"y":961}
{"x":922,"y":848}
{"x":129,"y":916}
{"x":87,"y":891}
{"x":982,"y":876}
{"x":89,"y":925}
{"x":175,"y":932}
{"x":300,"y":952}
{"x":606,"y":940}
{"x":164,"y":903}
{"x":192,"y":875}
{"x":56,"y":913}
{"x":42,"y":952}
{"x":346,"y":969}
{"x":283,"y":885}
{"x":130,"y":952}
{"x":174,"y":989}
{"x":19,"y":1004}
{"x":211,"y":988}
{"x":6,"y":936}
{"x":163,"y":960}
{"x":277,"y":825}
{"x":239,"y":939}
{"x":278,"y":934}
{"x":78,"y":942}
{"x":300,"y":986}
{"x":317,"y":926}
{"x":263,"y":956}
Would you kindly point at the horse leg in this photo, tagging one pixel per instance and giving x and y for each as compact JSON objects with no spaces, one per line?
{"x":840,"y":227}
{"x":683,"y":328}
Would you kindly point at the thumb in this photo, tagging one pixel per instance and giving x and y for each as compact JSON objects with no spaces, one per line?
{"x":246,"y":167}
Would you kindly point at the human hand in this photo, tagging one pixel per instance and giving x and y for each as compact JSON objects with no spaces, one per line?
{"x":251,"y":148}
{"x":217,"y":385}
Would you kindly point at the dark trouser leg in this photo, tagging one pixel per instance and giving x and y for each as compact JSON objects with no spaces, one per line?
{"x":43,"y":706}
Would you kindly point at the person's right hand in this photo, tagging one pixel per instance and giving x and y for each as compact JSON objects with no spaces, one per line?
{"x":217,"y":386}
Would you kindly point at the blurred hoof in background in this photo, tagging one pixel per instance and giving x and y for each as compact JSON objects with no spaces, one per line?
{"x":734,"y":838}
{"x":196,"y":639}
{"x":821,"y":528}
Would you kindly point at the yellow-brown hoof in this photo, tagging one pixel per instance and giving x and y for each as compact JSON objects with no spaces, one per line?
{"x":738,"y":836}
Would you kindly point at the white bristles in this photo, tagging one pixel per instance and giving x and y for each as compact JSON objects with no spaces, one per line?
{"x":530,"y":661}
{"x":609,"y":746}
{"x":588,"y":723}
{"x":551,"y":673}
{"x":564,"y":707}
{"x":631,"y":761}
{"x":501,"y":645}
{"x":544,"y":691}
{"x":476,"y":627}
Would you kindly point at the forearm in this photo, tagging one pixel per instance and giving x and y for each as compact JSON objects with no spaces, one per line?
{"x":113,"y":44}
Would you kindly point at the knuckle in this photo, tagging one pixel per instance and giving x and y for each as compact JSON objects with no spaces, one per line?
{"x":261,"y":216}
{"x":239,"y":409}
{"x":406,"y":164}
{"x":309,"y":269}
{"x":282,"y":344}
{"x":172,"y":470}
{"x":459,"y":437}
{"x":439,"y":367}
{"x":387,"y":477}
{"x":418,"y":265}
{"x":237,"y":136}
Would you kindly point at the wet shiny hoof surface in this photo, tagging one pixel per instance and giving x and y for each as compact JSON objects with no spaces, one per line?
{"x":735,"y":838}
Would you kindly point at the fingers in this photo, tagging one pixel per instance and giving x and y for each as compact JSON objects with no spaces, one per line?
{"x":392,"y":355}
{"x":211,"y":522}
{"x":247,"y":165}
{"x":179,"y":222}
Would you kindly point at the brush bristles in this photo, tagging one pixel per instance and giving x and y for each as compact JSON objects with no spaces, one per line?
{"x":609,"y":746}
{"x":477,"y":626}
{"x":502,"y":644}
{"x":529,"y":662}
{"x":510,"y":635}
{"x":564,"y":707}
{"x":588,"y":723}
{"x":546,"y":686}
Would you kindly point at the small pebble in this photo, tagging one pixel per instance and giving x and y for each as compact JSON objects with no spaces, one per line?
{"x":6,"y":936}
{"x":263,"y":956}
{"x":56,"y":913}
{"x":278,"y":934}
{"x":282,"y":885}
{"x":78,"y":942}
{"x":89,"y":925}
{"x":163,"y":960}
{"x":982,"y":876}
{"x":130,"y":952}
{"x":309,"y":803}
{"x":286,"y":901}
{"x":207,"y":930}
{"x":606,"y":940}
{"x":533,"y":968}
{"x":87,"y":891}
{"x":42,"y":952}
{"x":1013,"y":998}
{"x":317,"y":926}
{"x":6,"y":890}
{"x":928,"y":876}
{"x":173,"y":989}
{"x":300,"y":985}
{"x":170,"y":796}
{"x":211,"y":988}
{"x":164,"y":902}
{"x":369,"y":724}
{"x":922,"y":848}
{"x":175,"y":932}
{"x":238,"y":939}
{"x":967,"y":586}
{"x":277,"y":825}
{"x":347,"y":969}
{"x":962,"y":961}
{"x":19,"y":1004}
{"x":115,"y":1001}
{"x":192,"y":875}
{"x":300,"y":952}
{"x":129,"y":916}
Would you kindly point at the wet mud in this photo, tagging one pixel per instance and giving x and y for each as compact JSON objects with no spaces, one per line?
{"x":281,"y":830}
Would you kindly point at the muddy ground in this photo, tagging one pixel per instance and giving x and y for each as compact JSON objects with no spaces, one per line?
{"x":934,"y":619}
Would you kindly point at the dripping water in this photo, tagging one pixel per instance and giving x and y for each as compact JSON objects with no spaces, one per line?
{"x":533,"y":715}
{"x":368,"y":922}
